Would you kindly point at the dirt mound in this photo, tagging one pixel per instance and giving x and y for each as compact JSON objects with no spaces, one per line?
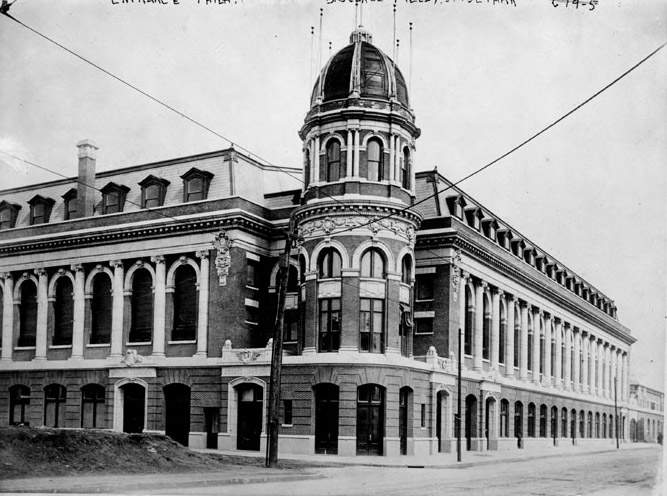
{"x":36,"y":452}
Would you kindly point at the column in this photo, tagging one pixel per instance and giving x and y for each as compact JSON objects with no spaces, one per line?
{"x":612,"y":369}
{"x":509,"y":336}
{"x":568,"y":356}
{"x":465,"y":278}
{"x":547,"y":347}
{"x":316,"y":160}
{"x":495,"y":326}
{"x":608,"y":376}
{"x":558,"y":362}
{"x":537,"y":316}
{"x":598,"y":372}
{"x":202,"y":317}
{"x":42,"y":314}
{"x":8,"y":317}
{"x":79,"y":312}
{"x":159,"y":305}
{"x":577,"y":360}
{"x":523,"y":358}
{"x":585,"y":353}
{"x":592,"y":377}
{"x":117,"y":309}
{"x":355,"y":165}
{"x":349,"y":167}
{"x":479,"y":325}
{"x":392,"y":154}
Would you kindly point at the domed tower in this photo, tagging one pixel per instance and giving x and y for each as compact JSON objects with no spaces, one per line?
{"x":357,"y":257}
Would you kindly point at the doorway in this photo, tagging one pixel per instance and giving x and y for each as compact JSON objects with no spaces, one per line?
{"x":370,"y":420}
{"x":249,"y":419}
{"x":177,"y":412}
{"x":134,"y":407}
{"x":326,"y":419}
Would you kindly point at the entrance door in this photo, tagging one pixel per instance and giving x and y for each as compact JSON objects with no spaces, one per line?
{"x":471,"y":420}
{"x":249,"y":417}
{"x":326,"y":419}
{"x":212,"y":420}
{"x":403,"y":416}
{"x":133,"y":407}
{"x":177,"y":406}
{"x":370,"y":420}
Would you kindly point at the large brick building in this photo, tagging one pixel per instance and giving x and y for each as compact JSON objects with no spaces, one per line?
{"x":143,"y":298}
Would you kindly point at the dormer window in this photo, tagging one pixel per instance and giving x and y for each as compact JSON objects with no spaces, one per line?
{"x":195,"y":185}
{"x":505,"y":238}
{"x":490,"y":227}
{"x":70,"y":204}
{"x":473,"y":216}
{"x":8,"y":214}
{"x":113,"y":198}
{"x":153,"y":191}
{"x":40,"y":209}
{"x":517,"y":247}
{"x":456,"y":205}
{"x":529,"y":256}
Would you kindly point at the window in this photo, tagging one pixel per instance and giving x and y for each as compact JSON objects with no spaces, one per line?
{"x":422,"y":422}
{"x":55,"y":396}
{"x":329,"y":324}
{"x":185,"y":304}
{"x":371,"y":323}
{"x":8,"y":214}
{"x":306,"y":168}
{"x":502,"y":332}
{"x":92,"y":406}
{"x":486,"y":329}
{"x":375,"y":153}
{"x":543,"y":421}
{"x":530,"y":350}
{"x":293,"y":279}
{"x":333,"y":161}
{"x":63,"y":312}
{"x":113,"y":198}
{"x":28,"y":314}
{"x":330,"y":264}
{"x":518,"y":419}
{"x":404,"y":172}
{"x":252,"y":315}
{"x":531,"y":420}
{"x":517,"y":337}
{"x":424,"y":325}
{"x":19,"y":405}
{"x":141,"y":328}
{"x":469,"y":319}
{"x":590,"y":425}
{"x":597,"y":425}
{"x":153,"y":191}
{"x":40,"y":209}
{"x":406,"y":270}
{"x":252,"y":273}
{"x":504,"y":418}
{"x":70,"y":204}
{"x":195,"y":185}
{"x":372,"y":264}
{"x":291,"y":325}
{"x":287,"y":412}
{"x":425,"y":286}
{"x":101,"y":307}
{"x":542,"y":352}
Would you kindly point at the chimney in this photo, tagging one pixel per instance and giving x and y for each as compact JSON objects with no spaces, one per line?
{"x":85,"y":187}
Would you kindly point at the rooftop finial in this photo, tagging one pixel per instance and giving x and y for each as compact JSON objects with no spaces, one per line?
{"x":361,"y":34}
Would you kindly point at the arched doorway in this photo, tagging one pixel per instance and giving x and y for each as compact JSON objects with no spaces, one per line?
{"x":573,"y":425}
{"x":326,"y":419}
{"x":249,"y":420}
{"x":370,"y":420}
{"x":633,"y":430}
{"x":442,"y":425}
{"x":471,"y":420}
{"x":554,"y":424}
{"x":404,"y":418}
{"x":134,"y":407}
{"x":490,"y":431}
{"x":518,"y":424}
{"x":177,"y":412}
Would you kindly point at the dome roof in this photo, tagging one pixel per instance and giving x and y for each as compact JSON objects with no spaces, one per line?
{"x":360,"y":70}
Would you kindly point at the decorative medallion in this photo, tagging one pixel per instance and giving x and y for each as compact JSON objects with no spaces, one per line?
{"x":223,"y":259}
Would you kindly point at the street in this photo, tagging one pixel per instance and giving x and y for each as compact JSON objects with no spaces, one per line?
{"x":618,"y":473}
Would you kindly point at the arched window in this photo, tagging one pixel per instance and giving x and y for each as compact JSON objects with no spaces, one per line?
{"x":597,"y":425}
{"x":293,"y":279}
{"x":517,"y":337}
{"x":101,"y":307}
{"x":375,"y":153}
{"x":604,"y":425}
{"x":19,"y":405}
{"x":518,"y":419}
{"x":543,"y":421}
{"x":504,"y":418}
{"x":589,"y":429}
{"x":406,"y":270}
{"x":469,"y":319}
{"x":333,"y":161}
{"x":330,"y":264}
{"x":563,"y":422}
{"x":502,"y":333}
{"x":373,"y":264}
{"x":63,"y":312}
{"x":404,"y":173}
{"x":306,"y":168}
{"x":486,"y":328}
{"x":185,"y":304}
{"x":141,"y":328}
{"x":531,"y":420}
{"x":28,"y":314}
{"x":92,"y":406}
{"x":55,"y":396}
{"x":582,"y":424}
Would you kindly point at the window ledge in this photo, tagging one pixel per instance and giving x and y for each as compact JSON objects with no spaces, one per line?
{"x":425,"y":334}
{"x":251,"y":287}
{"x":59,"y":346}
{"x":286,"y":425}
{"x":252,"y":323}
{"x":427,"y":299}
{"x":23,"y":348}
{"x":98,"y":345}
{"x":140,"y":343}
{"x":186,"y":341}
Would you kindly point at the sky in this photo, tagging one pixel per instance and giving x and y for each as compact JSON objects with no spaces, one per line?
{"x":483,"y":77}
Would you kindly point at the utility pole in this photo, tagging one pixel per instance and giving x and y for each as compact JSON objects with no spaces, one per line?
{"x":277,"y":355}
{"x":458,"y":406}
{"x":616,"y":411}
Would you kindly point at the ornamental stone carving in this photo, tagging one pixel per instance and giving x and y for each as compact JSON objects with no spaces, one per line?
{"x":328,"y":225}
{"x":456,"y":274}
{"x":223,"y":259}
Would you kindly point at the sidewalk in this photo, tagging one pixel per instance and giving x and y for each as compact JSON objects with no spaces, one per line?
{"x":246,"y":474}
